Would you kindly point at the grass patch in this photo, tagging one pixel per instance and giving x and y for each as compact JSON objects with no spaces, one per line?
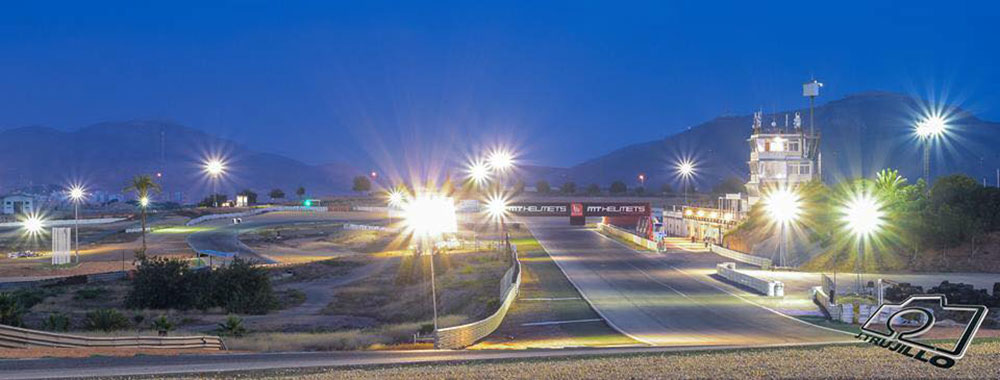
{"x":375,"y":338}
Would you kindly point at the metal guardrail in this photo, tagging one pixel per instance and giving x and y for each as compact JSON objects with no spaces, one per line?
{"x":16,"y":337}
{"x":766,"y":287}
{"x":467,"y":334}
{"x":762,"y":262}
{"x":257,"y":211}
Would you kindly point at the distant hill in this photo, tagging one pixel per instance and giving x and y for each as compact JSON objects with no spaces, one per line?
{"x":104,"y":156}
{"x":860,"y":135}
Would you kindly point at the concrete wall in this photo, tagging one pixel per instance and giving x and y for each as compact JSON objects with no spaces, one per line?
{"x":768,"y":288}
{"x":465,"y":335}
{"x":626,"y":235}
{"x":762,"y":262}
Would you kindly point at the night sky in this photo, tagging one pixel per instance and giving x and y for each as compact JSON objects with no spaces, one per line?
{"x":371,"y":82}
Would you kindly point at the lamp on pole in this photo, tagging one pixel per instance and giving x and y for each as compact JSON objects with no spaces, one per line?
{"x":686,"y":170}
{"x":783,"y":206}
{"x":76,"y":194}
{"x":428,"y":216}
{"x":863,"y":217}
{"x":930,"y":128}
{"x":215,"y":168}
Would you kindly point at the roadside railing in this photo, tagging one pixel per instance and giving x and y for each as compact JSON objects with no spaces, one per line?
{"x":256,"y":211}
{"x":468,"y":334}
{"x":624,"y":234}
{"x":762,"y":262}
{"x":766,"y":287}
{"x":16,"y":337}
{"x":68,"y":280}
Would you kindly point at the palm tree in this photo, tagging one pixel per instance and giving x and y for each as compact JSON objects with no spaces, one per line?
{"x":142,"y":185}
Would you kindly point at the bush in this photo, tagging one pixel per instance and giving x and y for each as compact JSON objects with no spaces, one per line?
{"x":233,"y":326}
{"x":161,"y":284}
{"x":88,"y":293}
{"x":243,"y":288}
{"x":162,"y":324}
{"x":11,"y":310}
{"x":56,"y":322}
{"x":106,"y":320}
{"x":239,"y":287}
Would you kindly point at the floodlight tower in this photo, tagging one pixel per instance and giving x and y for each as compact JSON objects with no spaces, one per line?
{"x":930,"y":128}
{"x":76,"y":194}
{"x":783,"y":207}
{"x":863,"y":217}
{"x":215,"y":168}
{"x":811,"y":90}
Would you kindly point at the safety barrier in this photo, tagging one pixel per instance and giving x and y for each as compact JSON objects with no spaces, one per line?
{"x":626,"y":235}
{"x":847,"y":313}
{"x":467,"y":334}
{"x":762,"y":262}
{"x":69,"y":280}
{"x":768,"y":288}
{"x":258,"y":211}
{"x":370,"y":208}
{"x":363,"y":227}
{"x":16,"y":337}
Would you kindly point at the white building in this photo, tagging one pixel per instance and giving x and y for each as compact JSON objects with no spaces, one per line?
{"x":781,"y":156}
{"x":18,"y":204}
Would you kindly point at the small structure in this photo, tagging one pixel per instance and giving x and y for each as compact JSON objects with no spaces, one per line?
{"x":16,"y":204}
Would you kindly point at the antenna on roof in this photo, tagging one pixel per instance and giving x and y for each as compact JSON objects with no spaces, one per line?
{"x":811,"y":90}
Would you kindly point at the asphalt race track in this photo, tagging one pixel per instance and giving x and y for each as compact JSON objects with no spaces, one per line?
{"x":658,"y":299}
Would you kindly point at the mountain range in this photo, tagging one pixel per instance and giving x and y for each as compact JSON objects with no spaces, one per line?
{"x":105,"y":156}
{"x":860,"y":135}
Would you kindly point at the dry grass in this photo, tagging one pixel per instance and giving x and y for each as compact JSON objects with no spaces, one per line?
{"x":376,"y":338}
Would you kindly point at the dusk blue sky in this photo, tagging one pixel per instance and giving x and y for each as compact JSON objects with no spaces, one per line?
{"x":370,"y":82}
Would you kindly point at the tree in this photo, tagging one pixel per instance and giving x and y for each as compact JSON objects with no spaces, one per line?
{"x":251,"y":196}
{"x":213,"y":199}
{"x":518,"y":187}
{"x":640,"y":191}
{"x":142,"y":186}
{"x":301,"y":192}
{"x":362,"y":184}
{"x":593,"y":189}
{"x":568,"y":188}
{"x":277,"y":194}
{"x":618,"y":187}
{"x":542,"y":187}
{"x":666,"y":189}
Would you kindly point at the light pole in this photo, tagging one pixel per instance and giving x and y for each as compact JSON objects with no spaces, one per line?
{"x":76,"y":193}
{"x":428,"y":216}
{"x":930,"y":128}
{"x":496,"y":209}
{"x":686,"y":170}
{"x":783,"y":206}
{"x":863,"y":217}
{"x":215,"y":168}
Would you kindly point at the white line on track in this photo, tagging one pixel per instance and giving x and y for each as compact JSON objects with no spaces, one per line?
{"x":552,"y":299}
{"x":731,"y":293}
{"x":561,"y":322}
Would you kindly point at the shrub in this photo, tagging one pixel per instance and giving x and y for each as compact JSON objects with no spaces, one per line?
{"x":233,"y":326}
{"x":11,"y":310}
{"x":88,"y":293}
{"x":106,"y":320}
{"x":56,"y":322}
{"x":161,"y":284}
{"x":243,"y":288}
{"x":239,"y":287}
{"x":162,"y":324}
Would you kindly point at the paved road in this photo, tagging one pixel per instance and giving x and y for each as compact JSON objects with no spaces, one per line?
{"x":665,"y":299}
{"x":251,"y":364}
{"x":224,"y":238}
